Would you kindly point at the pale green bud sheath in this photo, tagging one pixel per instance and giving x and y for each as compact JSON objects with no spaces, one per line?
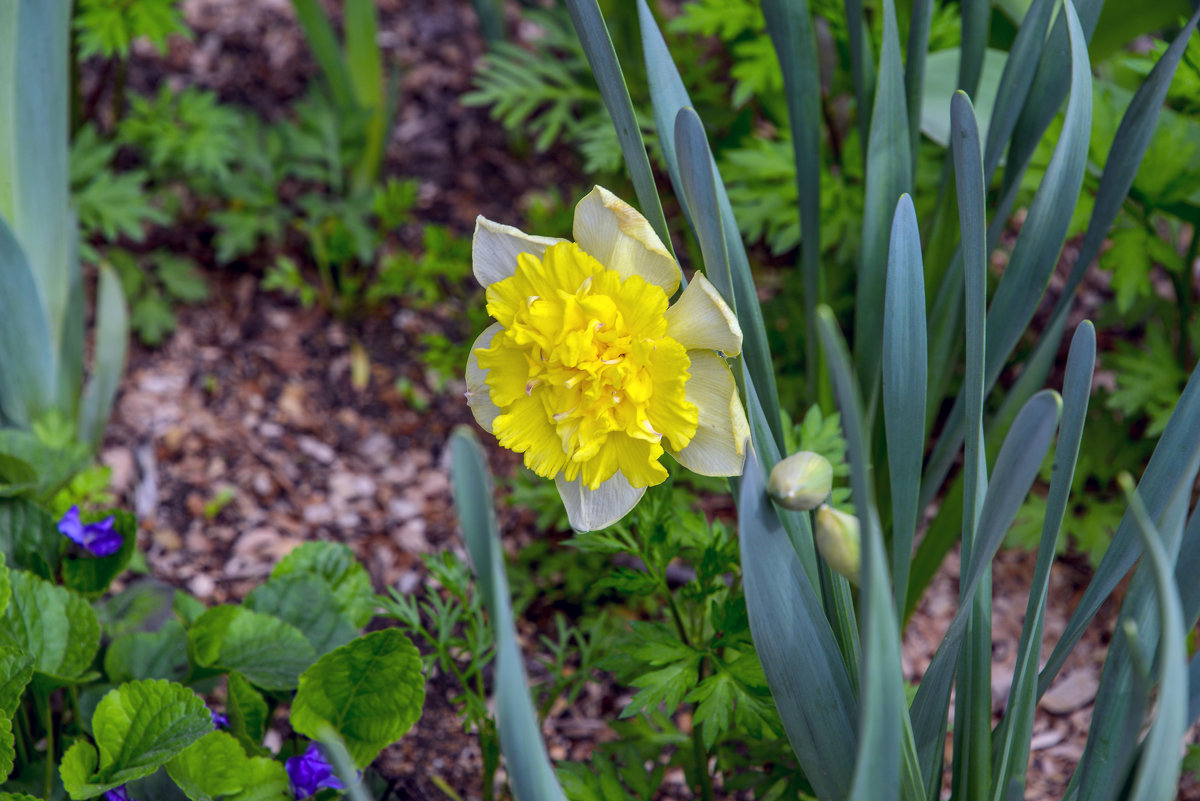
{"x":837,"y":538}
{"x":801,"y":482}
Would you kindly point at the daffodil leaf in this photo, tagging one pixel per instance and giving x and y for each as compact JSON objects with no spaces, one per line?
{"x":369,"y":691}
{"x":269,"y":652}
{"x":110,"y":349}
{"x":530,"y":772}
{"x":137,"y":728}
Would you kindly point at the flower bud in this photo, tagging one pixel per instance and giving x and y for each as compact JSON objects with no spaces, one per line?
{"x":801,"y":481}
{"x":838,"y":541}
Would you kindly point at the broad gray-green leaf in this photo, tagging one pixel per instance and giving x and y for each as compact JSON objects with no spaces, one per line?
{"x":16,"y":668}
{"x":940,"y":83}
{"x":336,"y":564}
{"x":264,"y":649}
{"x":160,"y":654}
{"x":55,"y":626}
{"x":306,"y":601}
{"x":247,"y":713}
{"x":370,"y":691}
{"x":529,"y":769}
{"x":137,"y":727}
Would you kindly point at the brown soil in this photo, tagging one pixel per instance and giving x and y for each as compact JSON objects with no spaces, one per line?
{"x":254,"y":394}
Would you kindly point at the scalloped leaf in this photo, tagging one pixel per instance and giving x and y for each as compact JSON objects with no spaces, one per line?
{"x":336,"y":564}
{"x":55,"y":626}
{"x":264,"y":649}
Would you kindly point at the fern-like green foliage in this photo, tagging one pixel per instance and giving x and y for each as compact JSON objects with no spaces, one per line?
{"x":189,"y":133}
{"x":108,"y":27}
{"x":1150,"y":377}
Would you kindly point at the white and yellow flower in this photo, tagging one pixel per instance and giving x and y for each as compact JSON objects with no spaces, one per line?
{"x":589,"y":372}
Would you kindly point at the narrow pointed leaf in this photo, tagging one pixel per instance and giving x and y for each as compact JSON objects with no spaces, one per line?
{"x":598,"y":47}
{"x":914,"y":70}
{"x":976,"y":18}
{"x":108,"y":363}
{"x":904,"y":383}
{"x":529,"y":770}
{"x":696,"y":175}
{"x":889,"y":175}
{"x":26,"y":359}
{"x":795,"y":644}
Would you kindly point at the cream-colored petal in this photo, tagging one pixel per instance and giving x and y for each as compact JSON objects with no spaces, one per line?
{"x":495,"y":247}
{"x":621,"y":239}
{"x":702,"y":319}
{"x":589,"y":510}
{"x":479,"y":396}
{"x":719,"y":447}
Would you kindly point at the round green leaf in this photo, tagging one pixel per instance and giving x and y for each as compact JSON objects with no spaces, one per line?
{"x":306,"y":601}
{"x":215,"y":765}
{"x":336,"y":564}
{"x":264,"y":649}
{"x":160,"y":654}
{"x":370,"y":691}
{"x":55,"y":626}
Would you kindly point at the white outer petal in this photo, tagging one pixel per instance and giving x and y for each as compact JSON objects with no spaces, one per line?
{"x":620,"y":238}
{"x":495,"y":247}
{"x":702,"y":319}
{"x":719,"y":447}
{"x":589,"y":510}
{"x":479,"y":395}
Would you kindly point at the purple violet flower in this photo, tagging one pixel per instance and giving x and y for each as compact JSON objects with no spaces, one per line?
{"x":101,"y":539}
{"x":219,"y":721}
{"x":118,"y":794}
{"x":310,"y":772}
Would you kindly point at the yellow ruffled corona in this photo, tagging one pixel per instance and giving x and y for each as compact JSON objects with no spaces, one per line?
{"x":589,"y":373}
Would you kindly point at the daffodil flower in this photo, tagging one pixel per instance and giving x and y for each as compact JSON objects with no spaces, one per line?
{"x":590,"y":373}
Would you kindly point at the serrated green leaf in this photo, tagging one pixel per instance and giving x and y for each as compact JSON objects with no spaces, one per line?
{"x":270,"y":653}
{"x":55,"y":626}
{"x":180,"y":277}
{"x":138,"y":727}
{"x":666,"y":686}
{"x":213,"y":766}
{"x":306,"y":601}
{"x":152,"y":317}
{"x":248,"y":713}
{"x":16,"y":669}
{"x":149,"y":655}
{"x":370,"y":691}
{"x":336,"y":564}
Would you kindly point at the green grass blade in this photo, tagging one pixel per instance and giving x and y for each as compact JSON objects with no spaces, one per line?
{"x":862,"y":67}
{"x":108,"y":361}
{"x":700,"y":193}
{"x":889,"y":175}
{"x":364,"y":65}
{"x":1016,"y":467}
{"x":1173,"y":464}
{"x":34,"y":191}
{"x":904,"y":377}
{"x":973,"y":702}
{"x":668,"y":96}
{"x":529,"y":770}
{"x":1012,"y":740}
{"x":914,"y":70}
{"x":1036,"y":252}
{"x":1015,"y":82}
{"x":26,"y":359}
{"x":598,"y":47}
{"x":884,"y":715}
{"x":324,"y":44}
{"x":799,"y":655}
{"x":790,"y":26}
{"x":976,"y":19}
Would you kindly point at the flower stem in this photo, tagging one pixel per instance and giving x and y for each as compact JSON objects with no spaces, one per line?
{"x":47,"y":715}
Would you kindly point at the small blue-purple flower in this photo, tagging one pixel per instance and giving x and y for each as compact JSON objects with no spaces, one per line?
{"x":118,"y":794}
{"x":219,"y":721}
{"x":310,"y":772}
{"x":101,"y":539}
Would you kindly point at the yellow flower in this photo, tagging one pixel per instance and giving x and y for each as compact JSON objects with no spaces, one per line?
{"x":590,"y":373}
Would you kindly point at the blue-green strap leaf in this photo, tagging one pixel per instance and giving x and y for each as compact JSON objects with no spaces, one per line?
{"x":529,"y":769}
{"x":889,"y":175}
{"x":904,"y":384}
{"x":700,"y":192}
{"x":108,"y":363}
{"x":598,"y":47}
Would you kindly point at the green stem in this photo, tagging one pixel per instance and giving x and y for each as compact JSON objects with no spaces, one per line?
{"x":20,"y":734}
{"x":47,"y":716}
